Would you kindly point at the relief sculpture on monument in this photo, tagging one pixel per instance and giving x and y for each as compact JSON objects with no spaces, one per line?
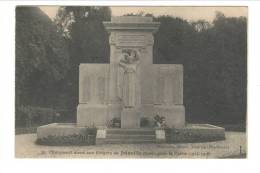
{"x":129,"y":63}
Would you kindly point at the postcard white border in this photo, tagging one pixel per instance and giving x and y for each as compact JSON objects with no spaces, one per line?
{"x":8,"y":162}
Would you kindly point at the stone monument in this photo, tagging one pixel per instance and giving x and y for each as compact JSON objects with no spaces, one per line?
{"x":129,"y":88}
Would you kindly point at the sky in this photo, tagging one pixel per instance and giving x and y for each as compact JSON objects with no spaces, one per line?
{"x":188,"y":13}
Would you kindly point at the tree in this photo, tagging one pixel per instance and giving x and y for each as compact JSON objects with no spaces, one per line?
{"x":87,"y":38}
{"x":42,"y":59}
{"x":230,"y":84}
{"x":83,"y":28}
{"x":174,"y":41}
{"x":201,"y":25}
{"x":214,"y":59}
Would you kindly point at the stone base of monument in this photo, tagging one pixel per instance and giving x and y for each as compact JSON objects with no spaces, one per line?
{"x":71,"y":134}
{"x":91,"y":115}
{"x":190,"y":133}
{"x":130,"y":118}
{"x":65,"y":134}
{"x":195,"y":133}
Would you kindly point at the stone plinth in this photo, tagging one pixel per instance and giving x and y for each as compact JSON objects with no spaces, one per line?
{"x":93,"y":83}
{"x":168,"y":94}
{"x":168,"y":84}
{"x":101,"y":136}
{"x":92,"y":115}
{"x":93,"y":95}
{"x":160,"y":136}
{"x":130,"y":118}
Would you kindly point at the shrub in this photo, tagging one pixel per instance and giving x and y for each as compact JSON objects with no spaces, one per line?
{"x":114,"y":123}
{"x":159,"y":121}
{"x":191,"y":136}
{"x":27,"y":116}
{"x":30,"y":116}
{"x":144,"y":122}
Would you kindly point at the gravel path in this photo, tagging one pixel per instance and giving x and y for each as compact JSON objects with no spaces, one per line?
{"x":26,"y":148}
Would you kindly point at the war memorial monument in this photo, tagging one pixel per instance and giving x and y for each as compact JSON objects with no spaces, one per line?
{"x":131,"y":89}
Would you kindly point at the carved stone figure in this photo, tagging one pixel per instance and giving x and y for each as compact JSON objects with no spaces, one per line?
{"x":129,"y":63}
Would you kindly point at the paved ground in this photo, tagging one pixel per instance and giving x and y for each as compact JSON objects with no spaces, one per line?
{"x":235,"y":141}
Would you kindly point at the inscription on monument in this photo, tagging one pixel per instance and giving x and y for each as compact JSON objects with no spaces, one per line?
{"x":87,"y":88}
{"x":134,"y":40}
{"x":101,"y":89}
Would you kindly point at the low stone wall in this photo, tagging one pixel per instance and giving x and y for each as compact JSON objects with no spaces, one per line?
{"x":195,"y":133}
{"x":65,"y":134}
{"x":69,"y":134}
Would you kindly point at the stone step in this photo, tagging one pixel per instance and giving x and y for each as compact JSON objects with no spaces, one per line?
{"x":129,"y":141}
{"x":131,"y":131}
{"x":127,"y":136}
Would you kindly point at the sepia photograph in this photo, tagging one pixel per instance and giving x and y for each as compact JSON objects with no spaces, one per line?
{"x":136,"y":82}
